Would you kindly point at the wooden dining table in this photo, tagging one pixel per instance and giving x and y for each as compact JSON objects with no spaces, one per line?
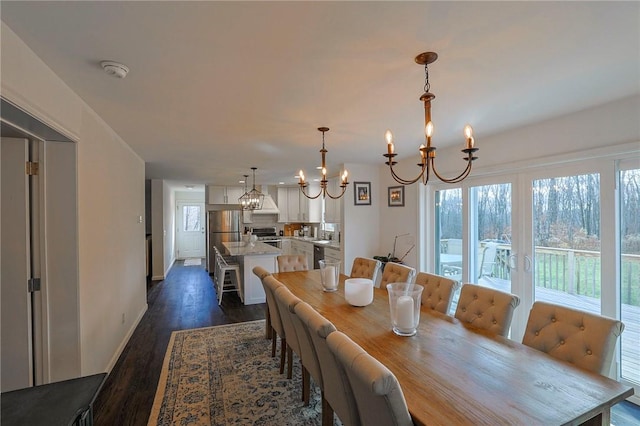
{"x":452,"y":374}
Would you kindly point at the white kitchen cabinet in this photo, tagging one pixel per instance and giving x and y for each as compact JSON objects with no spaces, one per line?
{"x":304,"y":248}
{"x":333,"y":208}
{"x":333,"y":254}
{"x":285,"y":246}
{"x":295,"y":207}
{"x":224,"y":194}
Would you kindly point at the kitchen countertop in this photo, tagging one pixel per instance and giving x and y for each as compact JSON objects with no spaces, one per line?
{"x":334,"y":244}
{"x":242,"y":249}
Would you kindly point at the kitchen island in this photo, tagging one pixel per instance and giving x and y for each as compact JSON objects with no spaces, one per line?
{"x":249,"y":256}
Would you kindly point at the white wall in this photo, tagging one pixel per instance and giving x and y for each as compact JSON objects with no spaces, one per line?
{"x":361,"y":226}
{"x":110,"y":199}
{"x":157,"y":229}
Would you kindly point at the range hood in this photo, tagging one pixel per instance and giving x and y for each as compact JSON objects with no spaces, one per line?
{"x":268,"y":206}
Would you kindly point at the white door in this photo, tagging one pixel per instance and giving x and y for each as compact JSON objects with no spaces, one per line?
{"x":190,"y":236}
{"x":17,"y":359}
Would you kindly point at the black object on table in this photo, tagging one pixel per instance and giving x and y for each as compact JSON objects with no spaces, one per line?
{"x":65,"y":403}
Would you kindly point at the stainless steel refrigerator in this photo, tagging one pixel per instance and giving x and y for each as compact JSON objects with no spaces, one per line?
{"x":222,"y":226}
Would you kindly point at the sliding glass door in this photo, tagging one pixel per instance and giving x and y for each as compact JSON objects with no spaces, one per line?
{"x":567,"y":234}
{"x":629,"y":194}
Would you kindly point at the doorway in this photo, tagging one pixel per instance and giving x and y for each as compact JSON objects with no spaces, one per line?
{"x":190,"y":233}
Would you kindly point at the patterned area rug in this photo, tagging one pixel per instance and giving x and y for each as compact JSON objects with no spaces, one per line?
{"x":196,"y":261}
{"x":225,"y":376}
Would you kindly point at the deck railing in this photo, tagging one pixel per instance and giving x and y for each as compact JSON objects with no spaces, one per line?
{"x":575,"y":272}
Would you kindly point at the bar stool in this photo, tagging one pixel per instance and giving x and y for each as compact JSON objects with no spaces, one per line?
{"x":223,"y":284}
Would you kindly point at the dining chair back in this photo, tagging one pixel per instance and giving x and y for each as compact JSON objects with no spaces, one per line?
{"x":365,"y":268}
{"x":292,"y":262}
{"x":396,"y":273}
{"x":581,"y":338}
{"x":438,"y":291}
{"x":378,"y":394}
{"x":270,"y":285}
{"x":307,"y":353}
{"x":284,"y":298}
{"x":336,"y":389}
{"x":486,"y":308}
{"x":262,"y":273}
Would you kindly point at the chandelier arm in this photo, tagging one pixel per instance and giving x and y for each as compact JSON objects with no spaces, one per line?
{"x":405,"y":181}
{"x":307,"y":195}
{"x":456,"y":179}
{"x":344,"y":188}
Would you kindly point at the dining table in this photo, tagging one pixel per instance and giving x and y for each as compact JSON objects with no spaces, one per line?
{"x":451,"y":373}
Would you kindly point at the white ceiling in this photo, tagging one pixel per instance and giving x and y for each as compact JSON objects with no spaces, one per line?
{"x":218,"y":87}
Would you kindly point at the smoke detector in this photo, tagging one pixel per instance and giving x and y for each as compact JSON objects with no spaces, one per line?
{"x":115,"y":69}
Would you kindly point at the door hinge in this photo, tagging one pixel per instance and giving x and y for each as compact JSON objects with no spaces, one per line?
{"x":33,"y":284}
{"x":31,"y":168}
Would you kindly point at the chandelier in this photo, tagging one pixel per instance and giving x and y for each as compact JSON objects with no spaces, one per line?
{"x":428,"y":152}
{"x":324,"y":181}
{"x":251,"y":200}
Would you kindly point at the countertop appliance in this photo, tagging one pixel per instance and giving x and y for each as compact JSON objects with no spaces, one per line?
{"x":222,"y":226}
{"x":268,"y":236}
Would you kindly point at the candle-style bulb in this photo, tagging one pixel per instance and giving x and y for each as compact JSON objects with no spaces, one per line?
{"x":429,"y":129}
{"x":468,"y":132}
{"x":301,"y":174}
{"x":388,"y":136}
{"x":324,"y":172}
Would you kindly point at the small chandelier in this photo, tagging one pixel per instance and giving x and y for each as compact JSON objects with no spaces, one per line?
{"x":323,"y":182}
{"x":428,"y":152}
{"x":252,"y":200}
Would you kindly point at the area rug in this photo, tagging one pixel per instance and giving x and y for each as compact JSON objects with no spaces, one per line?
{"x":196,"y":261}
{"x":225,"y":375}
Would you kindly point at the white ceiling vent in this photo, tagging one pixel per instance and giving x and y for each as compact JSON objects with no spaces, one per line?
{"x":115,"y":69}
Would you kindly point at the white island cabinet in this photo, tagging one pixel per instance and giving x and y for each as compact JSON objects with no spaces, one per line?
{"x":249,"y":256}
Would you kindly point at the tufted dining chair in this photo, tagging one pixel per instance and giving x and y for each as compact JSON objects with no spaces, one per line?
{"x":292,"y":262}
{"x":396,"y":273}
{"x":365,"y":268}
{"x":262,"y":273}
{"x":270,"y":285}
{"x":487,"y":309}
{"x":438,"y":291}
{"x":307,"y":353}
{"x":336,"y":391}
{"x":378,"y":394}
{"x":581,"y":338}
{"x":284,"y":297}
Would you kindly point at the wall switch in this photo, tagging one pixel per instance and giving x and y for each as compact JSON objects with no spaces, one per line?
{"x":140,"y":219}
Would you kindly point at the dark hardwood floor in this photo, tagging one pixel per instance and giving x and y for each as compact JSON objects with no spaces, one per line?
{"x":186,"y":299}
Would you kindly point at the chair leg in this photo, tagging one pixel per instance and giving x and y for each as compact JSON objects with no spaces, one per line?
{"x":289,"y":362}
{"x":327,"y":412}
{"x":274,"y":338}
{"x":283,"y":353}
{"x":306,"y":379}
{"x":268,"y":322}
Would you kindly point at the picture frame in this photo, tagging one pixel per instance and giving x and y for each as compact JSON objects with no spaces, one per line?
{"x":395,"y":196}
{"x":362,"y":193}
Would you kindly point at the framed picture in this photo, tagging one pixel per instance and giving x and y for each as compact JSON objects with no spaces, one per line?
{"x":362,"y":193}
{"x":396,"y":196}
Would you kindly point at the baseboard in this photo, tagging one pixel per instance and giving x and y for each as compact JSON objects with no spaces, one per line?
{"x":124,"y":342}
{"x":157,"y":278}
{"x":635,"y":399}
